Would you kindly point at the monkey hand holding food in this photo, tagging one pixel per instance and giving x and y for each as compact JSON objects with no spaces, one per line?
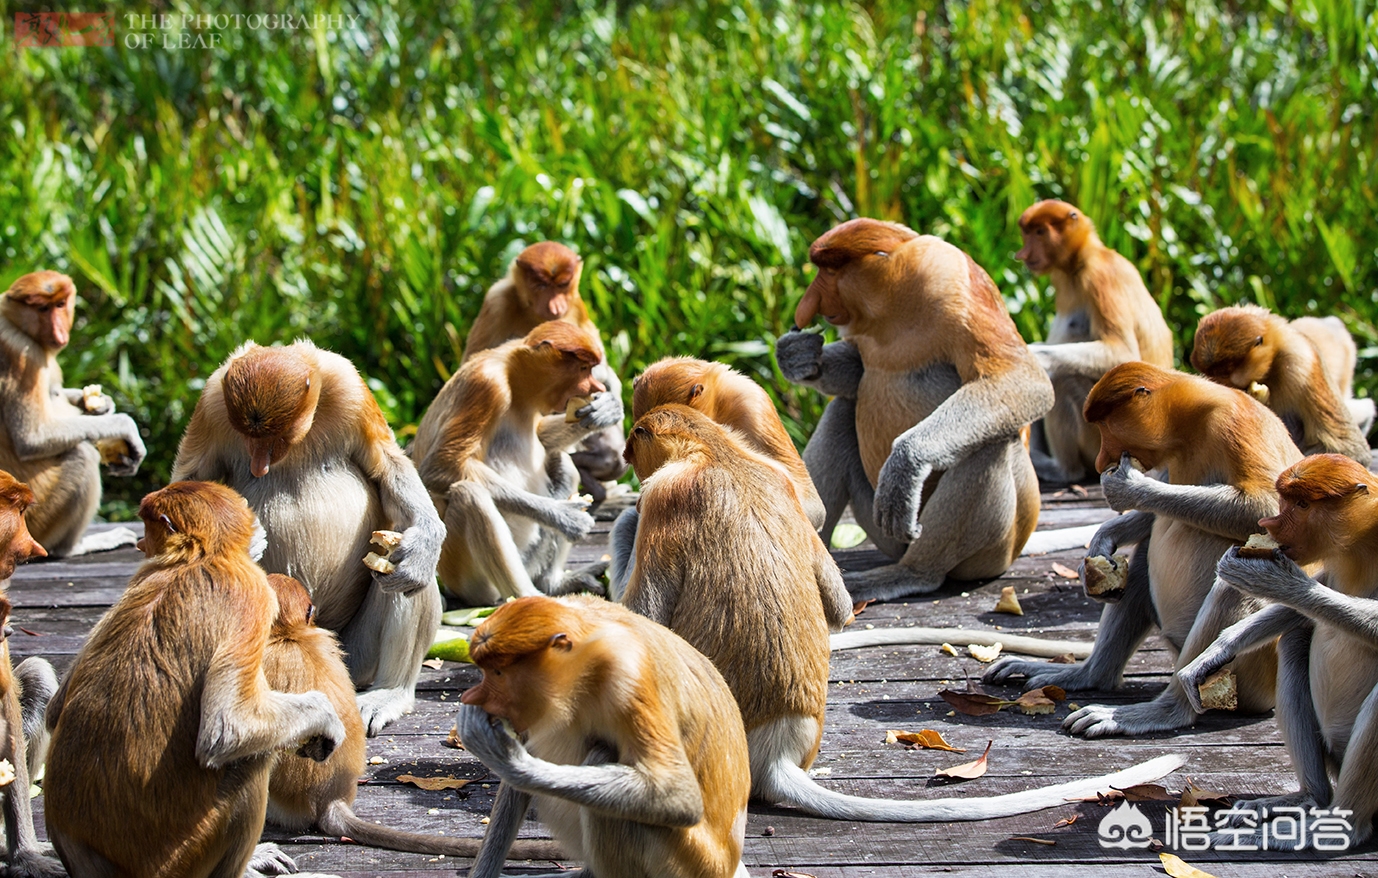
{"x":90,"y":400}
{"x":598,"y":411}
{"x":834,"y":369}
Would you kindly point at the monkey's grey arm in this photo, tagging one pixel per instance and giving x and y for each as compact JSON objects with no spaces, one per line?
{"x":980,"y":412}
{"x":566,"y":516}
{"x":1240,"y":637}
{"x":1084,"y":359}
{"x":231,"y":729}
{"x":34,"y":438}
{"x":408,"y":507}
{"x":1279,"y":579}
{"x":1128,"y":529}
{"x":837,"y":601}
{"x":503,"y":824}
{"x":834,"y":369}
{"x":557,"y":434}
{"x":622,"y":547}
{"x":1219,"y":509}
{"x":664,"y":794}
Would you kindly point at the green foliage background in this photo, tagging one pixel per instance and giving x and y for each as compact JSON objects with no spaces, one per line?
{"x":364,"y":186}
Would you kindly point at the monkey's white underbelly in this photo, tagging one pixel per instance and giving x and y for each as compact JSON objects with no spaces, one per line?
{"x":1344,"y":670}
{"x":319,"y":520}
{"x":518,"y":457}
{"x":1181,"y":563}
{"x":1072,"y":326}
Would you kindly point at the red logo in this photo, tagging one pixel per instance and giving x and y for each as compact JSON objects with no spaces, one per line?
{"x":42,"y":30}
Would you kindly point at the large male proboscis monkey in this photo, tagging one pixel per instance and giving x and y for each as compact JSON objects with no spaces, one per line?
{"x":1104,"y":316}
{"x":1223,"y":451}
{"x":297,"y":432}
{"x":932,"y":388}
{"x":49,"y":433}
{"x":1328,"y":655}
{"x":1305,"y":369}
{"x":543,"y":284}
{"x":727,"y":560}
{"x":633,"y":748}
{"x":164,"y":730}
{"x":24,"y":694}
{"x":304,"y":793}
{"x":498,"y":470}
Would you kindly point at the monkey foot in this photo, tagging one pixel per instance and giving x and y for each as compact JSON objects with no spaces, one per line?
{"x":1242,"y":810}
{"x":269,"y":859}
{"x":888,"y":582}
{"x":34,"y":864}
{"x":379,"y":707}
{"x":1073,"y":678}
{"x":115,"y":538}
{"x":1101,"y":721}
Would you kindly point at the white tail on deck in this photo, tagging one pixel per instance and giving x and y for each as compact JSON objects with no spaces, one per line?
{"x":1035,"y":646}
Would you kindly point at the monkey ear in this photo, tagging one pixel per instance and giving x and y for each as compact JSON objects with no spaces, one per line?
{"x":695,"y":392}
{"x":561,"y":642}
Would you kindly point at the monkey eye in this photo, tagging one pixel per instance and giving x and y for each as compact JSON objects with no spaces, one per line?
{"x":1141,"y":391}
{"x":1072,"y":215}
{"x":1258,"y":342}
{"x":640,"y":431}
{"x":167,"y":522}
{"x":1041,"y":231}
{"x":310,"y":613}
{"x":1302,"y":504}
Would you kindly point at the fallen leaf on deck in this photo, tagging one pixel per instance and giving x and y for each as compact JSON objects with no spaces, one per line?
{"x":1065,"y":659}
{"x":30,"y":633}
{"x":1064,"y":571}
{"x":1068,"y":821}
{"x":788,"y":873}
{"x":1147,"y":792}
{"x":1079,"y":491}
{"x":973,"y":703}
{"x":1105,"y":799}
{"x":861,"y":605}
{"x":926,"y":738}
{"x":1040,"y":701}
{"x":1194,"y":795}
{"x":1179,"y":869}
{"x":434,"y":663}
{"x":452,"y":740}
{"x":1046,"y":841}
{"x":434,"y":783}
{"x":1009,"y":602}
{"x":985,"y":653}
{"x":967,"y":770}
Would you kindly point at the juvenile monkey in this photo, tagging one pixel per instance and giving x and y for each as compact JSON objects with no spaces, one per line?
{"x":1223,"y":451}
{"x":164,"y":731}
{"x":49,"y":433}
{"x":726,"y":559}
{"x":304,"y":793}
{"x":24,"y":694}
{"x":633,"y":751}
{"x":1328,"y":655}
{"x":297,"y":432}
{"x":543,"y":284}
{"x":1105,"y":316}
{"x":1305,"y":367}
{"x":497,"y":467}
{"x":933,"y":386}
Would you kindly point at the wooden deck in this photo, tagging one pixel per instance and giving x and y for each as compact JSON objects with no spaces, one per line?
{"x":56,"y":603}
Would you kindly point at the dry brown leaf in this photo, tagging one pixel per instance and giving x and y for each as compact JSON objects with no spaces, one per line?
{"x":434,"y":663}
{"x":1105,"y":799}
{"x":985,"y":653}
{"x":1194,"y":795}
{"x":973,"y":703}
{"x":860,"y":606}
{"x":789,"y":873}
{"x":1009,"y":602}
{"x":967,"y":770}
{"x":1079,"y":491}
{"x":1065,"y":659}
{"x":1046,"y":841}
{"x":434,"y":783}
{"x":1035,"y":702}
{"x":1147,"y":792}
{"x":1064,"y":571}
{"x":925,"y":738}
{"x":1067,"y":821}
{"x":1179,"y":869}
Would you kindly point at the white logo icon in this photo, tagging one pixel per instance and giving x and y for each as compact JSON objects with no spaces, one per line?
{"x":1125,"y":827}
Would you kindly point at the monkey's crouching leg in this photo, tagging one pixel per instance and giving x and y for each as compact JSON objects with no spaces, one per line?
{"x":1357,"y":789}
{"x":384,"y":645}
{"x":24,"y":709}
{"x":80,"y":860}
{"x":1068,"y":435}
{"x":59,"y":519}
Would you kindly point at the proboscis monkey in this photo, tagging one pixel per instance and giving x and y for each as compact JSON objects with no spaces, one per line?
{"x":48,"y":433}
{"x":1223,"y":451}
{"x":497,"y":467}
{"x":304,"y":793}
{"x":543,"y":284}
{"x":1105,"y":316}
{"x":297,"y":432}
{"x":24,"y":694}
{"x":932,"y":387}
{"x":1305,"y":366}
{"x":164,"y":730}
{"x":631,"y":744}
{"x":1328,"y":656}
{"x":726,"y":559}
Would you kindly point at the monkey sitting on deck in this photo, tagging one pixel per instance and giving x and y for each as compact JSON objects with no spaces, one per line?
{"x":725,"y":557}
{"x":304,"y":793}
{"x":54,"y":438}
{"x":633,"y":751}
{"x":1328,"y":656}
{"x":24,"y":694}
{"x":165,"y":730}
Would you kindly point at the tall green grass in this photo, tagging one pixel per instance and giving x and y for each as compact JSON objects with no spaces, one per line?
{"x":364,"y":186}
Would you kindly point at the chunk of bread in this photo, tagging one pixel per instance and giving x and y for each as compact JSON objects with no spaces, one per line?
{"x":387,"y":540}
{"x":574,"y":405}
{"x":1219,"y":691}
{"x":114,"y":451}
{"x":1259,"y":546}
{"x":90,"y":397}
{"x":1259,"y":392}
{"x":1106,"y":577}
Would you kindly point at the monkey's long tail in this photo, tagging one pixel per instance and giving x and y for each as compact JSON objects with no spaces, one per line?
{"x":786,"y":782}
{"x":1036,"y":646}
{"x":340,"y":820}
